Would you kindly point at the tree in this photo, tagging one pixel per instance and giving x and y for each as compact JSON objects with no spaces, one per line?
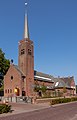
{"x":36,"y":87}
{"x":43,"y":88}
{"x":4,"y":65}
{"x":64,"y":89}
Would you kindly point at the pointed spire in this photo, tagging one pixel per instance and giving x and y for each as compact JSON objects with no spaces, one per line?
{"x":26,"y":29}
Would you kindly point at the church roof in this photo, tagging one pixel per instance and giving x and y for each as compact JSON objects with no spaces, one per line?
{"x":43,"y":76}
{"x":17,"y":68}
{"x":58,"y":82}
{"x":67,"y":82}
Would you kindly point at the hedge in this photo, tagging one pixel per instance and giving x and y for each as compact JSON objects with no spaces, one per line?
{"x":62,"y":100}
{"x":5,"y":108}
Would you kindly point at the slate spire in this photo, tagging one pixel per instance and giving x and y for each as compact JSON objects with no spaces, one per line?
{"x":26,"y":29}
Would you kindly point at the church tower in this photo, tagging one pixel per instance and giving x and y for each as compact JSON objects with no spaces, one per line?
{"x":26,"y":59}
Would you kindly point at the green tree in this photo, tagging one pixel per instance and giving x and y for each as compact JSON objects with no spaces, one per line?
{"x":43,"y":88}
{"x":36,"y":87}
{"x":4,"y":65}
{"x":64,"y":89}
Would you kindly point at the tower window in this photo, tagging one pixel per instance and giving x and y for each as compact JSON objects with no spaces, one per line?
{"x":22,"y":51}
{"x":29,"y":51}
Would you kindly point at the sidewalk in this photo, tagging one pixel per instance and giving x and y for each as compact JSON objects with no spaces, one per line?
{"x":18,"y":108}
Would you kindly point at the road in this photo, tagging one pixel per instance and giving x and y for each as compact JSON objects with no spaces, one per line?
{"x":60,"y":112}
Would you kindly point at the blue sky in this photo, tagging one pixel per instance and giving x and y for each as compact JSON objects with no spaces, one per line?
{"x":52,"y":27}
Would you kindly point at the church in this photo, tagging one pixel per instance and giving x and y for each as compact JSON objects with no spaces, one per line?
{"x":22,"y":79}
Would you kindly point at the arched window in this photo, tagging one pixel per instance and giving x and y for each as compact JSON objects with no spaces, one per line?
{"x":29,"y":51}
{"x":22,"y":51}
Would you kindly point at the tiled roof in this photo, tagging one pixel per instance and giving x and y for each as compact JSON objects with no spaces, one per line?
{"x":43,"y":76}
{"x":58,"y":83}
{"x":63,"y":82}
{"x":68,"y":80}
{"x":17,"y":68}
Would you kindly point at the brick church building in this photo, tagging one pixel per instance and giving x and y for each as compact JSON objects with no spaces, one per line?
{"x":21,"y":79}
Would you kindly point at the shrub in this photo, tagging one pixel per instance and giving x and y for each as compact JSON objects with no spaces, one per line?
{"x":74,"y":99}
{"x":4,"y":108}
{"x":62,"y":100}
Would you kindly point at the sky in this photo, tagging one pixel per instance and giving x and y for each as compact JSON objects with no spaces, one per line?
{"x":53,"y":29}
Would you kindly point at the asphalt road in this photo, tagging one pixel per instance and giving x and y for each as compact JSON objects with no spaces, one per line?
{"x":62,"y":112}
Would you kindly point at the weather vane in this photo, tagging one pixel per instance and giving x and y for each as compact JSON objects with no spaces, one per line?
{"x":26,"y":3}
{"x":26,"y":7}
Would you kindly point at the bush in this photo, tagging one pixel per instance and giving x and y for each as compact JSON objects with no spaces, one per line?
{"x":4,"y":108}
{"x":62,"y":100}
{"x":74,"y":99}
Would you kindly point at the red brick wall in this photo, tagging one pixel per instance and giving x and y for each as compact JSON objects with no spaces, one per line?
{"x":11,"y":84}
{"x":46,"y":83}
{"x":26,"y":64}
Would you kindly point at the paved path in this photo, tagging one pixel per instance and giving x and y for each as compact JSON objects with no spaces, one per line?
{"x":25,"y":107}
{"x":58,"y":112}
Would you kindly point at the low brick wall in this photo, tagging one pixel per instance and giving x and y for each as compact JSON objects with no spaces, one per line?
{"x":46,"y":100}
